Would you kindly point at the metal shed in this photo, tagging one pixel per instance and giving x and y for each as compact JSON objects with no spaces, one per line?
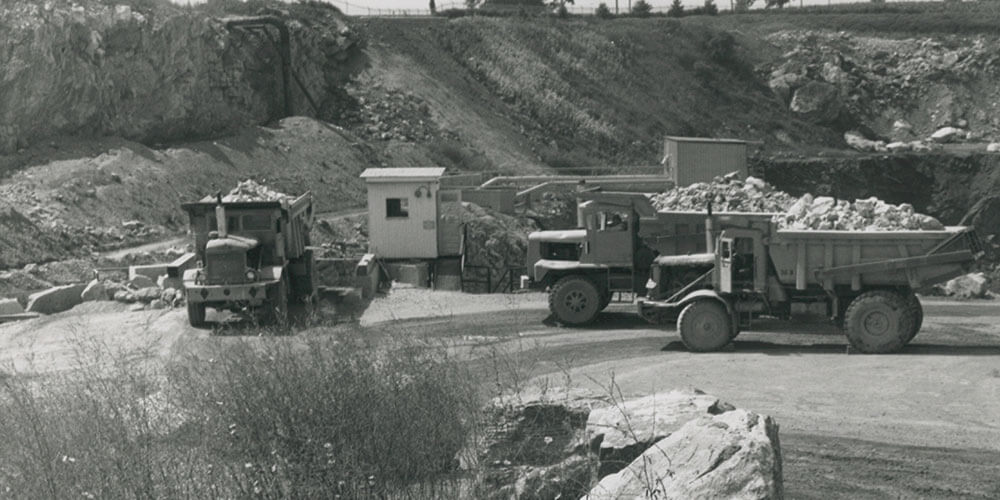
{"x":688,"y":160}
{"x":403,"y":212}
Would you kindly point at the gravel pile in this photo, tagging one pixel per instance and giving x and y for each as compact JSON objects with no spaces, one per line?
{"x":250,"y":190}
{"x":730,"y":194}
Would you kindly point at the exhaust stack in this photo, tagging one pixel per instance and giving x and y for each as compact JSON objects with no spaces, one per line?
{"x":709,"y":228}
{"x":220,"y":216}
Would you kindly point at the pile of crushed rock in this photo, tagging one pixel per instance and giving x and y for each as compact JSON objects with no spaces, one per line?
{"x":731,"y":194}
{"x":251,"y":190}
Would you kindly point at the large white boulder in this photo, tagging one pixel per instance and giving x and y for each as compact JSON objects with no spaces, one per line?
{"x":970,"y":286}
{"x":817,"y":101}
{"x":57,"y":299}
{"x":622,"y":431}
{"x":732,"y":455}
{"x":947,"y":134}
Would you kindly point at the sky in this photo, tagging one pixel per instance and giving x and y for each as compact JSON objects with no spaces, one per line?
{"x":422,"y":4}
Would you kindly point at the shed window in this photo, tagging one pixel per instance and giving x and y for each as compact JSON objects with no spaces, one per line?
{"x":397,"y":207}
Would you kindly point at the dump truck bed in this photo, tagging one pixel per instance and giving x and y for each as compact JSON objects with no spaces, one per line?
{"x":871,"y":258}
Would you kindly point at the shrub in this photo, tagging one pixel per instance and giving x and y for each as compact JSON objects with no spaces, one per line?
{"x":562,"y":12}
{"x":676,"y":9}
{"x":710,"y":8}
{"x":603,"y":12}
{"x":641,"y":8}
{"x":721,"y":47}
{"x":350,"y":416}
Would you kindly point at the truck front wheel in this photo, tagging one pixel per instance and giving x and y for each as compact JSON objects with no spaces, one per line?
{"x":705,"y":326}
{"x":196,"y":314}
{"x":575,"y":300}
{"x":879,"y":322}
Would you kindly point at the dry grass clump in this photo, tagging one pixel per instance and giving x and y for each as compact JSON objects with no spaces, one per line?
{"x":333,"y":416}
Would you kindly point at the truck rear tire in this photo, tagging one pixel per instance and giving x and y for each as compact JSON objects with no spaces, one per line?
{"x":917,"y":312}
{"x":575,"y":300}
{"x":705,"y":326}
{"x":879,"y":322}
{"x":196,"y":314}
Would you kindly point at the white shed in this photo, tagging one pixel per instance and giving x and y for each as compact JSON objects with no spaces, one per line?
{"x":403,"y":212}
{"x":688,"y":160}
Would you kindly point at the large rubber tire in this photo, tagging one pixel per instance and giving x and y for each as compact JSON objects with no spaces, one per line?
{"x":705,"y":326}
{"x":575,"y":300}
{"x":879,"y":322}
{"x":917,"y":311}
{"x":196,"y":314}
{"x":276,"y":307}
{"x":606,"y":299}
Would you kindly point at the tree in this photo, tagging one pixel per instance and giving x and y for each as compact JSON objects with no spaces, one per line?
{"x":710,"y":8}
{"x":775,"y":3}
{"x":676,"y":9}
{"x":743,"y":5}
{"x":642,"y":9}
{"x":603,"y":11}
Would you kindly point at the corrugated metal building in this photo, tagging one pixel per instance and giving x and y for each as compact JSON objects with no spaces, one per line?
{"x":688,"y":160}
{"x":404,"y":212}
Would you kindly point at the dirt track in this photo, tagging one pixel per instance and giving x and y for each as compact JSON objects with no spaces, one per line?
{"x":921,"y":423}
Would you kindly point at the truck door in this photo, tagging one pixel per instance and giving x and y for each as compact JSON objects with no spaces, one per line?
{"x":610,"y":240}
{"x":726,"y":247}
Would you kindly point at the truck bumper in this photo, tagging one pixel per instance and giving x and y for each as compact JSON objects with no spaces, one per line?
{"x":529,"y":284}
{"x":253,"y":294}
{"x":656,"y":312}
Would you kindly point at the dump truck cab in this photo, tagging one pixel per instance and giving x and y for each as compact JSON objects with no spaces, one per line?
{"x":251,"y":255}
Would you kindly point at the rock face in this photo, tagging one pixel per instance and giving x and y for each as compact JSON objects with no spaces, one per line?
{"x":732,"y":455}
{"x":621,"y":432}
{"x":817,"y":101}
{"x":105,"y":68}
{"x":970,"y":286}
{"x":54,"y":300}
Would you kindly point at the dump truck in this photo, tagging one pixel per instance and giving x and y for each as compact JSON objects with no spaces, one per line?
{"x":252,"y":256}
{"x":715,"y":274}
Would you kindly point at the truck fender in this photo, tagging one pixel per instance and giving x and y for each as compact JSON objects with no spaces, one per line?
{"x":269,"y":273}
{"x":706,"y":294}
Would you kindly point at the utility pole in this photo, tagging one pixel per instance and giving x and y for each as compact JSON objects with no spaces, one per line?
{"x":616,"y":7}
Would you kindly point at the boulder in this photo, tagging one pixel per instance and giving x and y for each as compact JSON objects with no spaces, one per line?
{"x":993,"y":147}
{"x":158,"y":304}
{"x":95,"y":291}
{"x":10,"y":306}
{"x":970,"y":286}
{"x":57,"y":299}
{"x":898,"y":146}
{"x":621,"y":432}
{"x":140,"y":281}
{"x":901,"y":129}
{"x":535,"y":447}
{"x":138,"y":306}
{"x":166,"y":282}
{"x":817,"y":101}
{"x":947,"y":134}
{"x":124,"y":296}
{"x":148,"y":294}
{"x":782,"y":84}
{"x":859,"y":142}
{"x":732,"y":455}
{"x":169,"y":295}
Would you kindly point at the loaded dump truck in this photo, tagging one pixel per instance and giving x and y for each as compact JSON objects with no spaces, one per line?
{"x":715,"y":274}
{"x":252,"y":255}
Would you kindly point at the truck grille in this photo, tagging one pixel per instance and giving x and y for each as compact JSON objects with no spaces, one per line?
{"x":226,"y":268}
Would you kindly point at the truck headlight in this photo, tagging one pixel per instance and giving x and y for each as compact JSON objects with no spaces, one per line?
{"x":251,"y":275}
{"x":650,"y":284}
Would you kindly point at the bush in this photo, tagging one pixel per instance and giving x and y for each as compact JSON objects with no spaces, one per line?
{"x":603,"y":12}
{"x":641,"y":8}
{"x":710,"y":8}
{"x":721,"y":48}
{"x":676,"y":9}
{"x":562,"y":12}
{"x":347,"y":416}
